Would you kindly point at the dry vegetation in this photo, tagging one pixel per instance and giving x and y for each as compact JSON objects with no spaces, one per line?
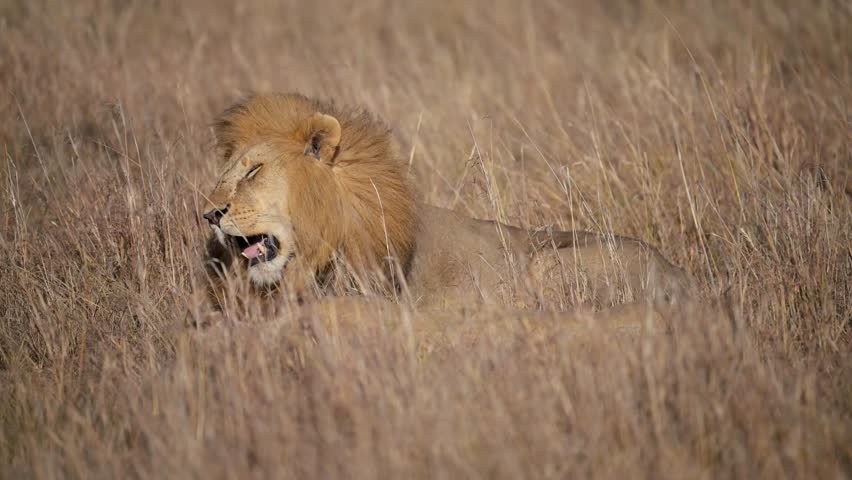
{"x":716,"y":130}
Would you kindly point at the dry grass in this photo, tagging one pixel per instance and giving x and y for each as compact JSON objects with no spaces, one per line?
{"x":717,"y":130}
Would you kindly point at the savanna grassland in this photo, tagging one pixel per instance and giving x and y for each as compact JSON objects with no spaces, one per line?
{"x":718,"y":131}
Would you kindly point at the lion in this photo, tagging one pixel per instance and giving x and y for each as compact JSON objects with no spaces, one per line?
{"x":314,"y":199}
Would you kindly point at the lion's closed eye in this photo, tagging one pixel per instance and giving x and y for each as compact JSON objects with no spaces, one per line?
{"x":252,"y":172}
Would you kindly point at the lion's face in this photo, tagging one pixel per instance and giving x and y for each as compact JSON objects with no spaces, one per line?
{"x":251,"y":205}
{"x":249,"y":208}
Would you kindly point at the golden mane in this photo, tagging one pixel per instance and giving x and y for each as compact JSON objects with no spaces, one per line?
{"x":353,"y":198}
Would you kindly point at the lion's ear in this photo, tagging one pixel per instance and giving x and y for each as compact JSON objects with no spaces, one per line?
{"x":322,"y":137}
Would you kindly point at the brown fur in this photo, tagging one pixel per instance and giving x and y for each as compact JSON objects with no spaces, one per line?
{"x":353,"y":197}
{"x":353,"y":200}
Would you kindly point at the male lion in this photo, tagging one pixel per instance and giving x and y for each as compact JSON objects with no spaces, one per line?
{"x":313,"y":198}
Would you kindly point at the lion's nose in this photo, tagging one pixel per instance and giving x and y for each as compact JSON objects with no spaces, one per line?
{"x":216,"y":214}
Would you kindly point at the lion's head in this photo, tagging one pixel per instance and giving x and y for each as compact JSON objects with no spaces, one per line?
{"x":306,"y":180}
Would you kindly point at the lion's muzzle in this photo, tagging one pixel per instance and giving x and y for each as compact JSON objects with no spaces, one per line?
{"x":214,"y":215}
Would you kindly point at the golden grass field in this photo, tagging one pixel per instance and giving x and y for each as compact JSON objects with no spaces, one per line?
{"x":719,"y":131}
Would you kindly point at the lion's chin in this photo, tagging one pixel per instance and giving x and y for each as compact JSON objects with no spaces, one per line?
{"x":270,"y":272}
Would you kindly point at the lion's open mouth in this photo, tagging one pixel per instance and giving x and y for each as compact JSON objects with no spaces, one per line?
{"x":258,"y":248}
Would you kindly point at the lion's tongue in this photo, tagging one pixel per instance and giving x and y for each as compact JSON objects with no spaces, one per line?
{"x":254,"y":250}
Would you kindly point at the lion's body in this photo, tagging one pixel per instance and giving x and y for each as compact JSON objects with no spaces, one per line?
{"x":332,"y":192}
{"x":460,"y":260}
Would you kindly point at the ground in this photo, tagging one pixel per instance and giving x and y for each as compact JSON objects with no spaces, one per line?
{"x":717,"y":131}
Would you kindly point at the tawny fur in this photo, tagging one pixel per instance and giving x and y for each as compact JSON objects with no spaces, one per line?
{"x":354,"y":200}
{"x":333,"y":181}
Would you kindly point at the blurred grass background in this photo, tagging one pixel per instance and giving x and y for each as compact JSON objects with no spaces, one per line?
{"x":718,"y":131}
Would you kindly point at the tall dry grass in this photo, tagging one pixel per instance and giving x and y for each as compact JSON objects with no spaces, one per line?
{"x":716,"y":130}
